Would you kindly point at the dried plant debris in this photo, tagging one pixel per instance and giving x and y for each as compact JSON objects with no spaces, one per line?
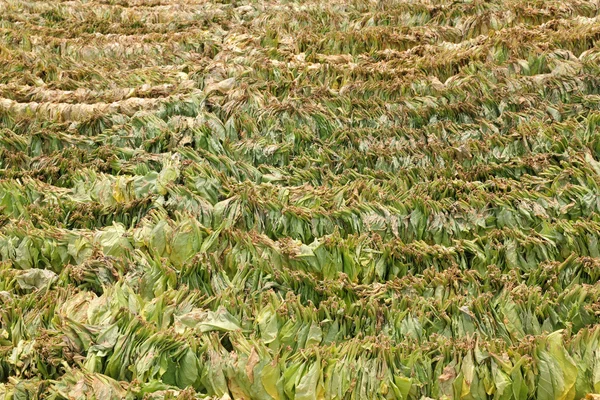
{"x":299,"y":199}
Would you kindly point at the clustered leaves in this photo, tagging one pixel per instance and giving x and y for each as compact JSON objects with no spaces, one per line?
{"x":299,"y":199}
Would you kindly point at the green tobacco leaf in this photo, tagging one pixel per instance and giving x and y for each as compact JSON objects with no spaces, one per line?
{"x":187,"y":370}
{"x":307,"y":387}
{"x":270,"y":378}
{"x":35,"y":279}
{"x":185,"y":243}
{"x":206,"y":321}
{"x":267,"y":322}
{"x":547,"y":383}
{"x":114,"y":241}
{"x":567,"y":367}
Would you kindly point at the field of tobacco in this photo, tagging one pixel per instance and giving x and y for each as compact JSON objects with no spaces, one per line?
{"x":271,"y":200}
